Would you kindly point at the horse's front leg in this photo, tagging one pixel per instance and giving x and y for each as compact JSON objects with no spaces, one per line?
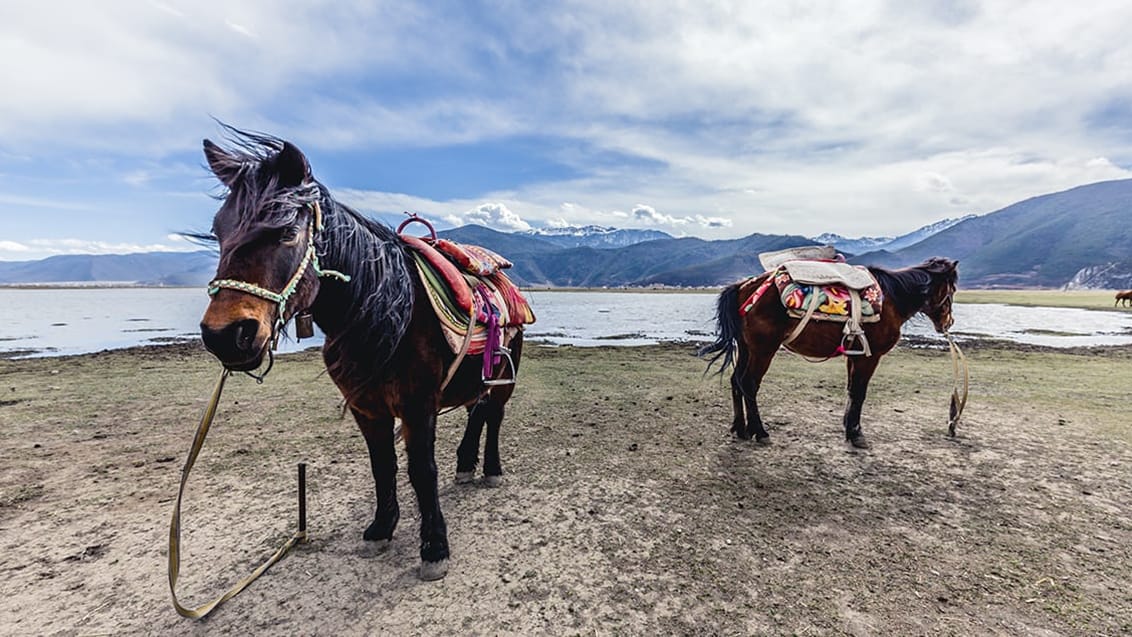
{"x":860,"y":369}
{"x":378,"y":433}
{"x":419,"y":429}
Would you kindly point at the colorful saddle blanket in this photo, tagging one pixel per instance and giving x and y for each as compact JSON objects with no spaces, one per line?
{"x":833,"y":301}
{"x":460,"y":279}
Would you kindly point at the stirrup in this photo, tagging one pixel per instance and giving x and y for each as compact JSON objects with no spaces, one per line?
{"x":850,"y":335}
{"x":859,"y":337}
{"x":506,"y":352}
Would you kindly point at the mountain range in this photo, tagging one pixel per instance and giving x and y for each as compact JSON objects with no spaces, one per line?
{"x":594,"y":236}
{"x":1080,"y":237}
{"x":1044,"y":241}
{"x":891,"y":244}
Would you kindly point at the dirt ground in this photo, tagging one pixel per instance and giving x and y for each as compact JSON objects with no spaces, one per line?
{"x":626,"y":508}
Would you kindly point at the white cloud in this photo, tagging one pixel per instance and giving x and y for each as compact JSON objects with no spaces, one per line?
{"x":713,"y":222}
{"x":13,"y":247}
{"x":865,"y":118}
{"x":33,"y":249}
{"x":649,"y":215}
{"x":495,"y":215}
{"x":933,"y":182}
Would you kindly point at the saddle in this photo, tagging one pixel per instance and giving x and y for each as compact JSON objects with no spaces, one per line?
{"x":825,"y":290}
{"x":480,"y":310}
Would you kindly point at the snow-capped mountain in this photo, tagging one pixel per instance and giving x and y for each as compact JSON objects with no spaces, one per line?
{"x":891,"y":244}
{"x":916,"y":236}
{"x":852,"y":246}
{"x":594,"y":236}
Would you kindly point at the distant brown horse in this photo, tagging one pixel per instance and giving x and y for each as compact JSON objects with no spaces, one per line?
{"x":279,"y":233}
{"x":749,"y":342}
{"x":1123,"y":298}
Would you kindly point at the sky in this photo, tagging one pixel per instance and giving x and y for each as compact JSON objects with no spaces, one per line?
{"x":709,"y":119}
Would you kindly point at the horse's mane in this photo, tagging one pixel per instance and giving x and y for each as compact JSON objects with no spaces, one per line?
{"x":908,"y":288}
{"x":380,"y":291}
{"x":250,"y":169}
{"x":381,"y":286}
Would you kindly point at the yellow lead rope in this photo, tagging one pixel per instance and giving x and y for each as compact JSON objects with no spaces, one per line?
{"x":175,"y":522}
{"x":958,"y":403}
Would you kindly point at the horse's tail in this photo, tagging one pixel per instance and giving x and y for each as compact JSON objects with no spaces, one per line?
{"x":729,"y":329}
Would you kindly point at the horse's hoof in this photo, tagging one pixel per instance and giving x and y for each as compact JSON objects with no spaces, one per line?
{"x":465,"y":477}
{"x":860,"y":442}
{"x":432,"y":571}
{"x":375,"y":547}
{"x":763,"y":440}
{"x":493,"y":481}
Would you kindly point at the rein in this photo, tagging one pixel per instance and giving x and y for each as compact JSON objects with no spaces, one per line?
{"x":310,"y":259}
{"x":175,"y":522}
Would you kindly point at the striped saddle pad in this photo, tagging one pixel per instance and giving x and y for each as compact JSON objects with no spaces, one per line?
{"x":472,"y":281}
{"x":834,"y":301}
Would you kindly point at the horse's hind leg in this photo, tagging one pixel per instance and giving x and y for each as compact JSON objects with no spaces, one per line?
{"x":378,"y":434}
{"x":861,"y":370}
{"x":500,"y":394}
{"x":468,"y":453}
{"x":749,"y":383}
{"x":492,"y":468}
{"x":738,"y":424}
{"x":489,"y":411}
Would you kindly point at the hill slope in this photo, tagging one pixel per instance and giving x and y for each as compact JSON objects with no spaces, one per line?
{"x":1043,"y":241}
{"x":148,"y":268}
{"x":685,"y":262}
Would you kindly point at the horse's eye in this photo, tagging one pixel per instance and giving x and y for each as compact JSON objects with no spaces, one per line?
{"x":289,"y":236}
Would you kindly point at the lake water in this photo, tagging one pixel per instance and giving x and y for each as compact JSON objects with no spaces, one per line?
{"x":52,"y":322}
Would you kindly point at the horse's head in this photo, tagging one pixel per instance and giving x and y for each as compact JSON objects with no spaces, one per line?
{"x":945,"y":277}
{"x":266,"y":229}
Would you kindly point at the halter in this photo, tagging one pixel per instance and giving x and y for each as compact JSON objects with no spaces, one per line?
{"x":931,"y":304}
{"x":310,"y":259}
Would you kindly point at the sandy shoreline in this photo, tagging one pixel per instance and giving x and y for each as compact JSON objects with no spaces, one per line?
{"x":626,"y":507}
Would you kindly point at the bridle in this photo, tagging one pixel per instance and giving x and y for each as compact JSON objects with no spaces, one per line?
{"x":943,"y":303}
{"x":310,"y":259}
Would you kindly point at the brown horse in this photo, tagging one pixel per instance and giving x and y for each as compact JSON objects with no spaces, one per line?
{"x":1123,"y":298}
{"x":278,"y":229}
{"x":750,"y":342}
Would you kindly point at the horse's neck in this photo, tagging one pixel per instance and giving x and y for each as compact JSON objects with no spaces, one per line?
{"x":904,"y":303}
{"x":370,"y":313}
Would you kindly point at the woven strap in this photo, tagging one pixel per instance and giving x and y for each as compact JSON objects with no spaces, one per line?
{"x":310,"y":259}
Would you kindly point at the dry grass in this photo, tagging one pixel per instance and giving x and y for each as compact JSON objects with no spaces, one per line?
{"x":626,"y":508}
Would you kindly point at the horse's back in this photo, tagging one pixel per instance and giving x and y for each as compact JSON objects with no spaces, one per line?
{"x":768,"y":324}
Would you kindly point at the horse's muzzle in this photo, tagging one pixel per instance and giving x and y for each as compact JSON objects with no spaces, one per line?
{"x":238,"y":345}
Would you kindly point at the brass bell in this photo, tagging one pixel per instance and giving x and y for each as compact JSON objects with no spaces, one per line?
{"x":304,"y":325}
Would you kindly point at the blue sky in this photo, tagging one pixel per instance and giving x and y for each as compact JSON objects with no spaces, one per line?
{"x":696,"y":118}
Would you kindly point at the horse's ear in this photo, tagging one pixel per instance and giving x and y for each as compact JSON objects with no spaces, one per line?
{"x":292,"y":166}
{"x":223,"y":165}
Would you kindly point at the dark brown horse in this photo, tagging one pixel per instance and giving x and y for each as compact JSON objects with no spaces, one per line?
{"x":1123,"y":298}
{"x":287,"y":248}
{"x":750,"y":342}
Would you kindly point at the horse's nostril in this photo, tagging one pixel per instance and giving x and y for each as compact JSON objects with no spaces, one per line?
{"x":235,"y":341}
{"x":246,"y":332}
